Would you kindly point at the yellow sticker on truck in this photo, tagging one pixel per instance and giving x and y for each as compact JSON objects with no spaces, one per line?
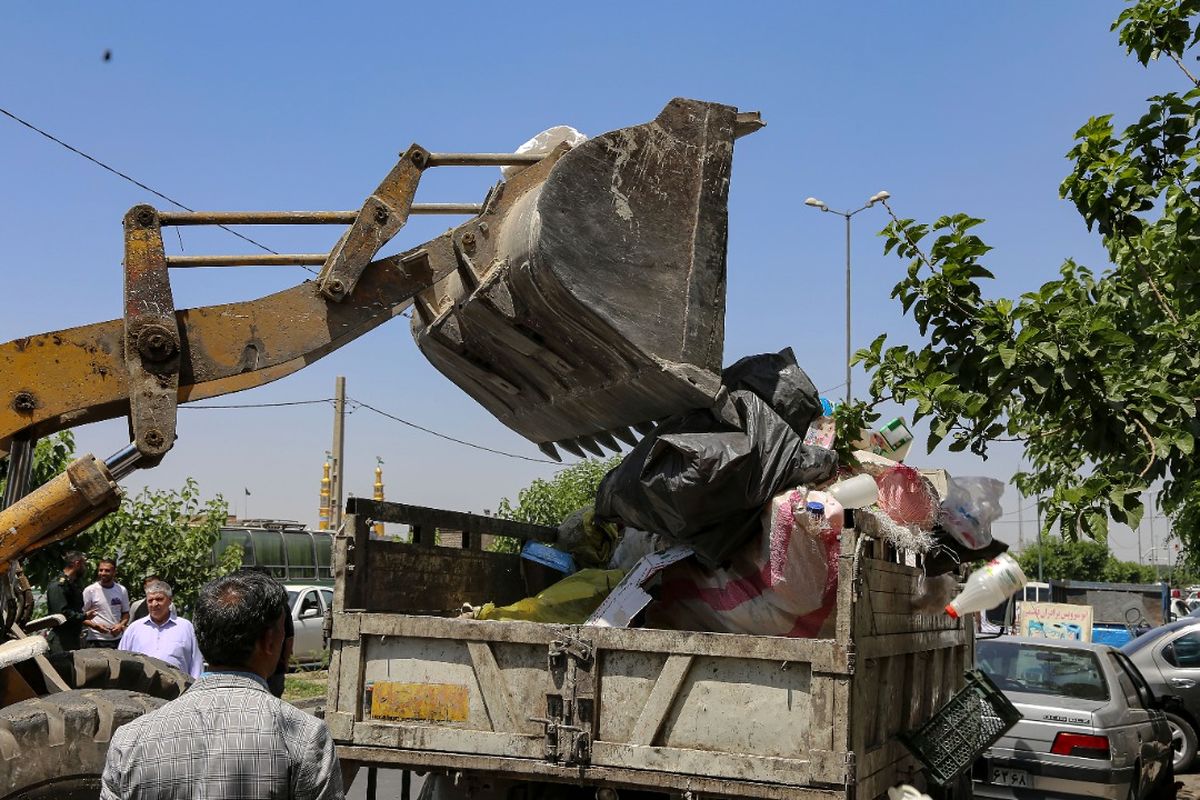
{"x":430,"y":702}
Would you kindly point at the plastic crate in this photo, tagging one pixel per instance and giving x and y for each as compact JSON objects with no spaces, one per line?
{"x":962,"y":729}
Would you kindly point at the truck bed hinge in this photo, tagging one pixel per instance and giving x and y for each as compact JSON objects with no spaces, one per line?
{"x":570,"y":703}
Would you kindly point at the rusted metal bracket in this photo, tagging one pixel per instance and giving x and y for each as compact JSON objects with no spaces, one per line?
{"x":570,"y":711}
{"x":382,"y":215}
{"x":151,"y":337}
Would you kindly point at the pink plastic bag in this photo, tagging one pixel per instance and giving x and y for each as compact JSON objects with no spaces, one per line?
{"x":782,"y":583}
{"x":906,"y":497}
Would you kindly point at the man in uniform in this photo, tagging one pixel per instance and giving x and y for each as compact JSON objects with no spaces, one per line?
{"x":64,"y":596}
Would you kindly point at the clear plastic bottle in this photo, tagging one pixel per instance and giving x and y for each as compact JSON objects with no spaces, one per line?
{"x":988,"y":586}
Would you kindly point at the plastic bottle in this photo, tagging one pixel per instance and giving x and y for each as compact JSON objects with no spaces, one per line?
{"x":857,"y":492}
{"x":988,"y":586}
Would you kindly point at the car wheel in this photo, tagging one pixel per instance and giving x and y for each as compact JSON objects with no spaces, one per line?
{"x":1183,"y":741}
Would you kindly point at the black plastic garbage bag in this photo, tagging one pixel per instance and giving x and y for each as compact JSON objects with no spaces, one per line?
{"x":777,"y":379}
{"x":702,"y":478}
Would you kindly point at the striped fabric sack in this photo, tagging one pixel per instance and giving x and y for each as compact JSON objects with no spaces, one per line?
{"x":783,"y":582}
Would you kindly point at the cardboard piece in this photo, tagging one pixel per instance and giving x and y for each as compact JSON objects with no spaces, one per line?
{"x":629,"y":598}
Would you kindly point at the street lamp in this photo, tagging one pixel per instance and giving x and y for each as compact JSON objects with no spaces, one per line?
{"x":878,"y":197}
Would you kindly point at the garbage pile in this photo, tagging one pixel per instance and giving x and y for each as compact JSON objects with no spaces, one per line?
{"x":729,"y":519}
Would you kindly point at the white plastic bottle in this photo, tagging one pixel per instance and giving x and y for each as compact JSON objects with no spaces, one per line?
{"x":988,"y":586}
{"x":859,"y":491}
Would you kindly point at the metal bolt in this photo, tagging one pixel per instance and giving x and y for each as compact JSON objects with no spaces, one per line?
{"x":337,"y":287}
{"x":381,"y":215}
{"x":154,"y":438}
{"x":156,"y":343}
{"x":468,"y":242}
{"x":145,"y":217}
{"x":418,"y":158}
{"x":24,"y":403}
{"x":483,"y":227}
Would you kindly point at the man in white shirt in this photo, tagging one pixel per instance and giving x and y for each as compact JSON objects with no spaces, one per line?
{"x":111,"y":603}
{"x":164,"y":635}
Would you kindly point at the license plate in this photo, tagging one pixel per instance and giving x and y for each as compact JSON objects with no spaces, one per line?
{"x":1002,"y":776}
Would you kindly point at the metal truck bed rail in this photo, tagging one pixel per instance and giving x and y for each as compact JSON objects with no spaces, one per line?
{"x":658,"y":710}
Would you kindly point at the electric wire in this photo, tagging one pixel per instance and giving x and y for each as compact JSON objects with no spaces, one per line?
{"x":256,"y":405}
{"x":359,"y":404}
{"x":132,"y":180}
{"x":394,"y":418}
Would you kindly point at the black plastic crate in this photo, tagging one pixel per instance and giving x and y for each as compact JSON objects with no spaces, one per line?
{"x":961,"y":730}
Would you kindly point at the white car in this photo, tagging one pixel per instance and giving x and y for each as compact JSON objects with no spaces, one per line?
{"x":307,"y":605}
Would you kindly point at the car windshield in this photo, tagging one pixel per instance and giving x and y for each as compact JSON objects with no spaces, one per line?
{"x":1022,"y":667}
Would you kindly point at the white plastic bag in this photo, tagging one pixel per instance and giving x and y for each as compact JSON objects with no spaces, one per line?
{"x":972,"y":504}
{"x":543,"y":143}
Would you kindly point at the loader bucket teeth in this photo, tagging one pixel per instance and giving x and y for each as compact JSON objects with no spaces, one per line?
{"x":571,"y":447}
{"x":606,"y":440}
{"x":644,"y":428}
{"x":625,"y":435}
{"x":548,"y":449}
{"x":595,"y":298}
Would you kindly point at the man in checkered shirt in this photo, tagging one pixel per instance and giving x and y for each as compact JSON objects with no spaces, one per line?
{"x":227,"y":736}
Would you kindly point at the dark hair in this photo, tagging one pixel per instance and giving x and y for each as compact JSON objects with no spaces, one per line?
{"x":107,"y":560}
{"x":72,"y":556}
{"x":233,"y":612}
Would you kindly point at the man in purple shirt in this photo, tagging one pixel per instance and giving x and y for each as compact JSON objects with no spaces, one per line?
{"x":164,"y":635}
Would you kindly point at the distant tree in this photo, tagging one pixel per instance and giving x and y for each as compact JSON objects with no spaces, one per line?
{"x":548,"y":502}
{"x":168,"y":532}
{"x":1066,"y":560}
{"x":1081,"y":560}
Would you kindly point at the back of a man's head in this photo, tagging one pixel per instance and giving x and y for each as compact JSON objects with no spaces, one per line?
{"x":232,"y":614}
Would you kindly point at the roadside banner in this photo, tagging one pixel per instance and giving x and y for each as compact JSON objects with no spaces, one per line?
{"x":1055,"y":621}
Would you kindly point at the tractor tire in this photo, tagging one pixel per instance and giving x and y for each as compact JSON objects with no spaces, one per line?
{"x":55,"y":746}
{"x":98,"y":668}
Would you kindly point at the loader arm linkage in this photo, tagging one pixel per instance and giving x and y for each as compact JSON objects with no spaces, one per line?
{"x":585,"y":295}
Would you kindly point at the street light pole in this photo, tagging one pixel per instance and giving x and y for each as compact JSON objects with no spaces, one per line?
{"x":818,"y":204}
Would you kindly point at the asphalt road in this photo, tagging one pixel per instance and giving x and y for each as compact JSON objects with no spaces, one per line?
{"x":386,"y":788}
{"x":1191,"y":787}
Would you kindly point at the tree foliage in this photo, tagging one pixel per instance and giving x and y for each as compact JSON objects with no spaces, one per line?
{"x":1082,"y":560}
{"x":1096,"y":372}
{"x":168,"y":532}
{"x":51,"y":456}
{"x":548,"y":502}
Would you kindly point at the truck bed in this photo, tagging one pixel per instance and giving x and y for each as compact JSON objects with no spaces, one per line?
{"x":658,"y":710}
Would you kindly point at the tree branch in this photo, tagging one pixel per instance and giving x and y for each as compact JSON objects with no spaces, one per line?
{"x":1149,"y":442}
{"x":1179,"y":63}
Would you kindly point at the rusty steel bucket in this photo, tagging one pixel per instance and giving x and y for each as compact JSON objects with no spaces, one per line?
{"x":590,"y":293}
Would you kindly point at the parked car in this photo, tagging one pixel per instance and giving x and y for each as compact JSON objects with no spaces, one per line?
{"x":1169,"y":658}
{"x":307,"y":605}
{"x":1179,"y":609}
{"x":1091,"y":725}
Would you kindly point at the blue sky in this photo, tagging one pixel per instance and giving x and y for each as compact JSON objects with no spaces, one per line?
{"x":949,"y":106}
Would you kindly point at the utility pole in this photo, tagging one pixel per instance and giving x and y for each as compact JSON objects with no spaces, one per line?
{"x":1020,"y":523}
{"x":1153,"y":510}
{"x":335,"y":480}
{"x":1041,"y":542}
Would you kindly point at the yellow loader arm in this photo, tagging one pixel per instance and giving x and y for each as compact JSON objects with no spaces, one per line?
{"x":583,"y":297}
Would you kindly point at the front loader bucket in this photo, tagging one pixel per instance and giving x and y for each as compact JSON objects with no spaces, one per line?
{"x":590,"y":294}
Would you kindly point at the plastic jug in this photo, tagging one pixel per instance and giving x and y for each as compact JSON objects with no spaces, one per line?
{"x":988,"y":586}
{"x":857,"y":492}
